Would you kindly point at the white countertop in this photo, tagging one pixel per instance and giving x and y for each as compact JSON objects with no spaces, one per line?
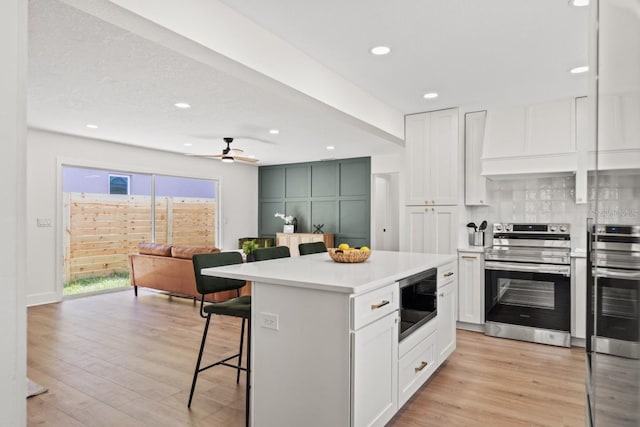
{"x":319,"y":271}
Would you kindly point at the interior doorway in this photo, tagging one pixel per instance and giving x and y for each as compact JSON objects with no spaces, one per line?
{"x":386,"y":211}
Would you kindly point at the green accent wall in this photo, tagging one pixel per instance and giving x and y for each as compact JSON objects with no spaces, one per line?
{"x":335,"y":193}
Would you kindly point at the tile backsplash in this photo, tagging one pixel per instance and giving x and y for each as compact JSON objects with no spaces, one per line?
{"x":552,"y":199}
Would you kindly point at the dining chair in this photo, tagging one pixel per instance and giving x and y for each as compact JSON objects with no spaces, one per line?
{"x":263,"y":254}
{"x":312,"y":248}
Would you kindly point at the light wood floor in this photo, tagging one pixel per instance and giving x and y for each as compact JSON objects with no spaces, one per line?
{"x":114,"y":360}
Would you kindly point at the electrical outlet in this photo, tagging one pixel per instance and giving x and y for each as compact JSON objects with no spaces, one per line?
{"x":44,"y":222}
{"x":269,"y":321}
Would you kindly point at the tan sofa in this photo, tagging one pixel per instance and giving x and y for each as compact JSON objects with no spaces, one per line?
{"x":169,"y":268}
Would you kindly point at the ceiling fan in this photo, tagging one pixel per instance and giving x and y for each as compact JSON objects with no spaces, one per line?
{"x":229,"y":155}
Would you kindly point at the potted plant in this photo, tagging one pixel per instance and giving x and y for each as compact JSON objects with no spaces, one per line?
{"x":248,"y":246}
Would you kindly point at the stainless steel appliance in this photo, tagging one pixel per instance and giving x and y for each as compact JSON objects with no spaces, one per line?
{"x":418,"y":301}
{"x":613,"y":290}
{"x":528,"y":283}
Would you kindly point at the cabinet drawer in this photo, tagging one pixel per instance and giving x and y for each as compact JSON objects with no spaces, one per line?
{"x":374,"y":305}
{"x":415,"y":367}
{"x":447,"y":274}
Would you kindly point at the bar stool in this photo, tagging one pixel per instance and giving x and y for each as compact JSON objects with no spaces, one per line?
{"x":236,"y":307}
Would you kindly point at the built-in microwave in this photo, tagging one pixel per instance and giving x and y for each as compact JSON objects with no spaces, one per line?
{"x":418,"y":301}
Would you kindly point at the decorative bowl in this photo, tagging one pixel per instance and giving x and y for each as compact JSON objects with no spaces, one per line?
{"x":351,"y":255}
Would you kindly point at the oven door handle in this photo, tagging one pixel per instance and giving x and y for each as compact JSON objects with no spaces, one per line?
{"x":609,"y":273}
{"x":528,"y":268}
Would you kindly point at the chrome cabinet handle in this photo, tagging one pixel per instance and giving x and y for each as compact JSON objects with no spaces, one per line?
{"x":377,"y":306}
{"x":448,"y":274}
{"x":421,"y":367}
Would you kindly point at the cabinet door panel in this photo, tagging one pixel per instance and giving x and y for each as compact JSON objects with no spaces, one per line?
{"x":443,"y":158}
{"x":444,"y":229}
{"x":416,"y":229}
{"x":374,"y":397}
{"x":470,"y":288}
{"x":447,"y":311}
{"x":475,"y":189}
{"x":416,"y":154}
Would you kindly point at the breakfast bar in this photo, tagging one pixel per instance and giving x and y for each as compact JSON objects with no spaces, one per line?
{"x":325,"y":336}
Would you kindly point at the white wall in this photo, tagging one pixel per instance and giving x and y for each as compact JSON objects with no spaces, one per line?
{"x":47,"y":151}
{"x":13,"y":83}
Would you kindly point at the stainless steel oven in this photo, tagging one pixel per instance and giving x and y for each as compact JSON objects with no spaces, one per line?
{"x":613,"y":290}
{"x":418,"y":301}
{"x":528,"y":283}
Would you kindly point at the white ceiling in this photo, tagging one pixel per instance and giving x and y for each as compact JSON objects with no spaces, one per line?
{"x":476,"y":54}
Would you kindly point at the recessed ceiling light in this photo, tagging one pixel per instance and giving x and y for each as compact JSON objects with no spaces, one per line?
{"x":92,"y":126}
{"x":182,"y":105}
{"x":330,"y":147}
{"x":274,"y":131}
{"x":579,"y":3}
{"x":380,"y":50}
{"x":187,"y":144}
{"x":430,"y":95}
{"x":579,"y":70}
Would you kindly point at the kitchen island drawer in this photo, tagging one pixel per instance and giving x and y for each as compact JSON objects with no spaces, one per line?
{"x":415,"y":367}
{"x":374,"y":305}
{"x":446,"y":274}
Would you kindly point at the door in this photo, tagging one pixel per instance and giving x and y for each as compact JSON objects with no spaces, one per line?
{"x":374,"y":367}
{"x":432,"y":229}
{"x":447,"y":309}
{"x":471,"y":288}
{"x":528,"y":298}
{"x":386,"y":208}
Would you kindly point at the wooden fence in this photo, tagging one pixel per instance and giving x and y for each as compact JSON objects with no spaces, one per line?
{"x":101,"y":230}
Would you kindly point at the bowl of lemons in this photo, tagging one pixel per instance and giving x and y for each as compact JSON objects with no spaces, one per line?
{"x":346,"y":254}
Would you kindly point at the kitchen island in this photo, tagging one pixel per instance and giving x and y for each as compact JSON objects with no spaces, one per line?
{"x":325,"y":348}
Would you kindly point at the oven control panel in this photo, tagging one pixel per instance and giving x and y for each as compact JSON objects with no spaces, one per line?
{"x":531,"y":228}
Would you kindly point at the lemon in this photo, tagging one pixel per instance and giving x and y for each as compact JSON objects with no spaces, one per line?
{"x":365,"y":249}
{"x":343,"y":247}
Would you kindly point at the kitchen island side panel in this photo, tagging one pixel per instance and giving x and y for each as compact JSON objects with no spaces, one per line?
{"x":301,"y":371}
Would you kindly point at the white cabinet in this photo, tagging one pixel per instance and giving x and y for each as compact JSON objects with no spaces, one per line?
{"x":447,"y":311}
{"x":471,"y":287}
{"x":432,"y":158}
{"x":432,"y":229}
{"x":375,"y":354}
{"x":475,"y":185}
{"x":579,"y":297}
{"x":537,"y":138}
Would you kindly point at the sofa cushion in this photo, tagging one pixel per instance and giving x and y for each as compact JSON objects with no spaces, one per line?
{"x":159,"y":249}
{"x":188,"y":252}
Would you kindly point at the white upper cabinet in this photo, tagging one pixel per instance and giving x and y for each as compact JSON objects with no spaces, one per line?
{"x":432,"y":158}
{"x":475,"y":185}
{"x":536,"y":138}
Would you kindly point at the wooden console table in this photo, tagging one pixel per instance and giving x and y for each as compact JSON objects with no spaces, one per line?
{"x":292,"y":240}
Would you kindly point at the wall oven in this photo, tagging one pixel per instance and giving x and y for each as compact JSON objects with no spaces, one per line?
{"x":613,"y":290}
{"x":528,"y":283}
{"x":418,"y":301}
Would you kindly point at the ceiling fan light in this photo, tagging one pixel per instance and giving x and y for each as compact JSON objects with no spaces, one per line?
{"x":227,"y":159}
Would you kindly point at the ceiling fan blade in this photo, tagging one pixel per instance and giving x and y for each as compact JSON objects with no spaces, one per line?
{"x":245,"y":159}
{"x":203,"y":155}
